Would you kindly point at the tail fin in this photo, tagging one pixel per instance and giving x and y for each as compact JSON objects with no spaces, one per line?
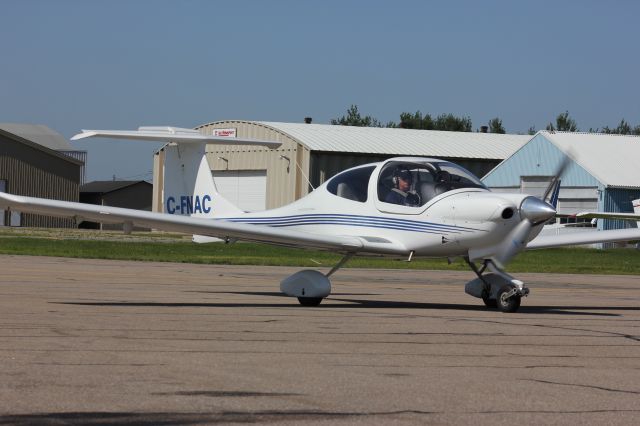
{"x":189,"y":188}
{"x":555,"y":192}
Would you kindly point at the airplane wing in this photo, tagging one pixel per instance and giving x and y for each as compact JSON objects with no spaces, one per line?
{"x":193,"y":225}
{"x":549,"y":241}
{"x":604,"y":215}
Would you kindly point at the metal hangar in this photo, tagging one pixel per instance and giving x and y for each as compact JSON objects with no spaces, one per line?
{"x":258,"y":178}
{"x":38,"y":162}
{"x":602,"y":175}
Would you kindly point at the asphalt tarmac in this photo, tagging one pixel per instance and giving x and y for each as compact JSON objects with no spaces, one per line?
{"x":97,"y":342}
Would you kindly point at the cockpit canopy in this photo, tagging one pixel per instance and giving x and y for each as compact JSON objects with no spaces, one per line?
{"x":427,"y":179}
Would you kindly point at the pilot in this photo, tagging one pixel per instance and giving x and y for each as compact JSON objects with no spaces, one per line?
{"x":402,"y":193}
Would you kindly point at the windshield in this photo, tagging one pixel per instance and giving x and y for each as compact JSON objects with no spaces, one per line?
{"x":416,"y":183}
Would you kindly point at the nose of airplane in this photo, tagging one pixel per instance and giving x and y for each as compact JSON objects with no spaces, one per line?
{"x":536,"y":210}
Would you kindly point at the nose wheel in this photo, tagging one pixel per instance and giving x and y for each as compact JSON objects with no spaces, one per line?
{"x":508,"y":299}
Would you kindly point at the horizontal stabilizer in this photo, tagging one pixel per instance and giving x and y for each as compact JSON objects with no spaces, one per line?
{"x":172,"y":134}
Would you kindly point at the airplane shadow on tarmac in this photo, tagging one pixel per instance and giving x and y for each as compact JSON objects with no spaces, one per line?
{"x":359,"y":303}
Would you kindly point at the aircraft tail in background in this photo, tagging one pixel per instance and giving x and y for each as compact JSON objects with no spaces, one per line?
{"x":553,"y":195}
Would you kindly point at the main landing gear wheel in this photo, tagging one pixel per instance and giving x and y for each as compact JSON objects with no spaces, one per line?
{"x":310,"y":301}
{"x":508,"y":300}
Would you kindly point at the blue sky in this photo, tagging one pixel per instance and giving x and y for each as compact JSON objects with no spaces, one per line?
{"x":121,"y":64}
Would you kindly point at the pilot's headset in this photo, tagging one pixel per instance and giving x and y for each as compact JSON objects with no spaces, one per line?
{"x":400,"y":172}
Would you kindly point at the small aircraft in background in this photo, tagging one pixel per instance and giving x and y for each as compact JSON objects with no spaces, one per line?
{"x":605,"y":215}
{"x":401,"y":207}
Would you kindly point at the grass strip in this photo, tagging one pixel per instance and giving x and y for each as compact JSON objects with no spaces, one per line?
{"x":564,"y":260}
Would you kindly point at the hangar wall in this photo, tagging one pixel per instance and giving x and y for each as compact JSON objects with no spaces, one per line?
{"x":533,"y":165}
{"x":35,"y":171}
{"x":618,"y":200}
{"x":284,"y":166}
{"x":312,"y":153}
{"x":327,"y":164}
{"x":127,"y":194}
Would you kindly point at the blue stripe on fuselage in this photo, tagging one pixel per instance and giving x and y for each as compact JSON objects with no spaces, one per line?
{"x":354,"y":220}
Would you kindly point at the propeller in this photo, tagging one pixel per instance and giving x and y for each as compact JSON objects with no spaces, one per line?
{"x":534,"y":211}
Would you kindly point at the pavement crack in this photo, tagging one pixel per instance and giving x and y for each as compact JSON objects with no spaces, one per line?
{"x":222,"y":394}
{"x":556,"y":327}
{"x":583,"y":386}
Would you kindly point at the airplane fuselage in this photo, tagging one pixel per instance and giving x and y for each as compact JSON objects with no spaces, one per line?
{"x":450,"y":224}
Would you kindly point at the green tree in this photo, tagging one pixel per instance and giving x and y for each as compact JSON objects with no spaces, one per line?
{"x":623,"y":128}
{"x":495,"y":126}
{"x":564,"y":123}
{"x":354,"y":118}
{"x":532,"y":130}
{"x":452,"y":123}
{"x":407,"y":121}
{"x":416,"y":121}
{"x":443,"y":122}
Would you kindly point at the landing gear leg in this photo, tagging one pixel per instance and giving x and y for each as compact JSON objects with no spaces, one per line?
{"x":340,"y":264}
{"x":486,"y":290}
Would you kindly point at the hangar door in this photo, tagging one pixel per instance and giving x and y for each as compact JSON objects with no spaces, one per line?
{"x":246,"y":189}
{"x":571,"y":199}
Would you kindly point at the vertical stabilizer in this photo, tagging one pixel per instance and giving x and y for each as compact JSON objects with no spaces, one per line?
{"x":189,"y":188}
{"x":636,"y":208}
{"x":555,"y":192}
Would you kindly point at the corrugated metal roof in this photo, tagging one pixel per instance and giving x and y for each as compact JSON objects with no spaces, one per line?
{"x":538,"y":157}
{"x":104,"y":186}
{"x":375,"y":140}
{"x":612,"y":159}
{"x":40,"y":134}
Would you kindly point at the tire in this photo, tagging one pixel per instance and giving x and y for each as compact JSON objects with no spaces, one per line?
{"x":309,"y":301}
{"x":507,"y":305}
{"x":488,"y":302}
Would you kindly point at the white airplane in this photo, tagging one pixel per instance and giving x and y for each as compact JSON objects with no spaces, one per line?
{"x":408,"y":206}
